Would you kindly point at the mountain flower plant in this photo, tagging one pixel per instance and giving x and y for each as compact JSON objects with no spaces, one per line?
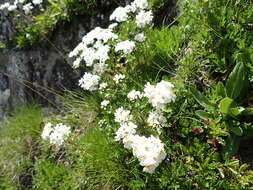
{"x":100,"y":52}
{"x":56,"y":134}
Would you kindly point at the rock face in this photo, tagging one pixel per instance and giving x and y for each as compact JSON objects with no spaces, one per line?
{"x":32,"y":74}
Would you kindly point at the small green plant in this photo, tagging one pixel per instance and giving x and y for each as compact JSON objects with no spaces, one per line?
{"x":227,"y":112}
{"x":37,"y":29}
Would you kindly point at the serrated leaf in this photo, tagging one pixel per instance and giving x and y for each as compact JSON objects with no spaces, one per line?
{"x":236,"y":81}
{"x":221,"y":90}
{"x":225,"y":105}
{"x":203,"y":115}
{"x":199,"y":97}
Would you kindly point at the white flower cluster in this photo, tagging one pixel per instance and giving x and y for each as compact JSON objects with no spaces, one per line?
{"x":140,"y":37}
{"x":144,"y":18}
{"x":122,"y":14}
{"x":103,"y":86}
{"x":105,"y":103}
{"x":20,"y":5}
{"x":56,"y":135}
{"x":89,"y":82}
{"x":149,"y":151}
{"x":160,"y":94}
{"x":125,"y":46}
{"x":122,"y":115}
{"x":93,"y":48}
{"x":134,"y":95}
{"x":118,"y":78}
{"x":126,"y":129}
{"x":156,"y":119}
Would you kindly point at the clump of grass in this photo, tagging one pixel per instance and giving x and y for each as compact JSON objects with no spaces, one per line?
{"x":19,"y":137}
{"x":99,"y":162}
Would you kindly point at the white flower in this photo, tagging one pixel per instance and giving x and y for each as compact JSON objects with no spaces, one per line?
{"x":143,"y":18}
{"x":21,"y":1}
{"x":99,"y":34}
{"x":122,"y":115}
{"x":118,"y":78}
{"x":140,"y":37}
{"x":103,"y":86}
{"x":89,"y":56}
{"x":120,"y":14}
{"x":131,"y":8}
{"x":160,"y":94}
{"x":112,"y":26}
{"x":141,"y":4}
{"x":89,"y":82}
{"x":101,"y":123}
{"x":128,"y":141}
{"x":99,"y":68}
{"x":12,"y":7}
{"x":105,"y":103}
{"x":59,"y":134}
{"x":5,"y":6}
{"x":133,"y":95}
{"x":125,"y":130}
{"x":37,"y":2}
{"x":27,"y":8}
{"x":93,"y":47}
{"x":47,"y":131}
{"x":125,"y":46}
{"x":27,"y":35}
{"x":102,"y":53}
{"x":56,"y":135}
{"x":149,"y":151}
{"x":81,"y":46}
{"x":156,"y":119}
{"x":76,"y":63}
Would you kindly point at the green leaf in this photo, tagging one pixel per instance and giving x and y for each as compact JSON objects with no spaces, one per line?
{"x":199,"y":97}
{"x":232,"y":146}
{"x":236,"y":81}
{"x":203,"y":115}
{"x":247,"y":112}
{"x":248,"y":130}
{"x":221,"y":90}
{"x":247,"y":115}
{"x":237,"y":130}
{"x":225,"y":105}
{"x":234,"y":112}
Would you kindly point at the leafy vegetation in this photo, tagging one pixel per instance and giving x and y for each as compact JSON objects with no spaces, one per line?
{"x":38,"y":28}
